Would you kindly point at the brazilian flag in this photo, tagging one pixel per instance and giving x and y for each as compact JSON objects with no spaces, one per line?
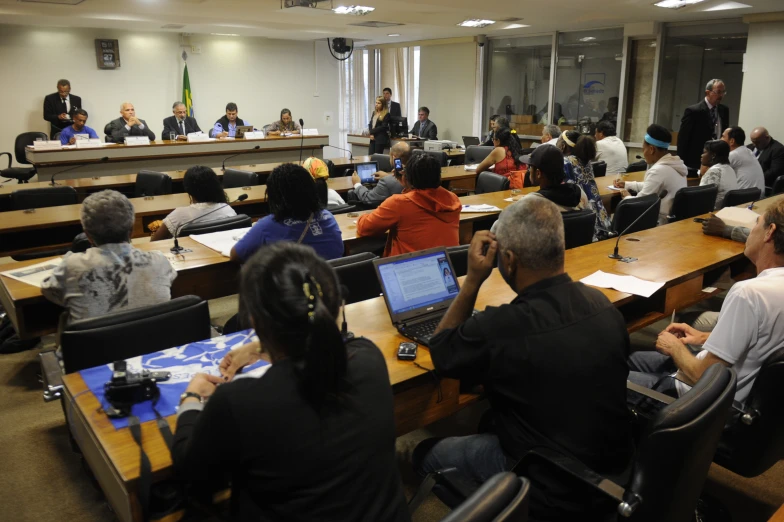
{"x":187,"y":97}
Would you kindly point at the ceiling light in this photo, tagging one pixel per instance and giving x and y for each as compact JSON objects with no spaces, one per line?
{"x":727,"y":5}
{"x":588,"y":39}
{"x":224,"y":34}
{"x":476,"y":23}
{"x":676,"y":4}
{"x":357,"y":10}
{"x":394,"y":34}
{"x":516,"y":26}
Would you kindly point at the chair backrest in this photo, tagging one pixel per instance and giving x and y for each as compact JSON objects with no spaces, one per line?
{"x":751,"y":449}
{"x":458,"y":256}
{"x":233,"y":178}
{"x":489,"y":182}
{"x":358,"y":278}
{"x":383,"y":162}
{"x":637,"y":166}
{"x":476,"y":153}
{"x":100,"y":340}
{"x":43,"y":197}
{"x":503,"y":498}
{"x":693,"y":201}
{"x":578,"y":227}
{"x":677,"y":447}
{"x":354,"y":258}
{"x":216,"y":225}
{"x":599,"y":169}
{"x":152,"y":183}
{"x":23,"y":140}
{"x":441,"y":156}
{"x":341,"y":209}
{"x":778,"y":186}
{"x":630,"y":209}
{"x":741,"y":196}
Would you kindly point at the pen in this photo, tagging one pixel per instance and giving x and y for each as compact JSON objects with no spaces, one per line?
{"x":672,"y":319}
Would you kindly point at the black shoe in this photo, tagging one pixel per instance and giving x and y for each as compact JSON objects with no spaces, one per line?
{"x":15,"y":345}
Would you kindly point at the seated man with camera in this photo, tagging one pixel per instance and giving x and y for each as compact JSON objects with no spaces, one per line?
{"x":389,"y":183}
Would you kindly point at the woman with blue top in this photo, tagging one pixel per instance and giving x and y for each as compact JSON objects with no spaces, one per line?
{"x":579,"y":150}
{"x":295,"y":215}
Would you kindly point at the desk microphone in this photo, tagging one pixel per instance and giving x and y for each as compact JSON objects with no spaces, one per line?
{"x":350,"y":155}
{"x":347,"y":336}
{"x":176,"y":249}
{"x":102,"y":160}
{"x":615,"y":255}
{"x":223,"y":165}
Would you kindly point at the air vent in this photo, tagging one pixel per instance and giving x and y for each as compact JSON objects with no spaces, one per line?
{"x":59,"y":2}
{"x":376,"y":24}
{"x":172,"y":26}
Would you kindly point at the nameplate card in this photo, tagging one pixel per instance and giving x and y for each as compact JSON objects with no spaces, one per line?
{"x":310,"y":132}
{"x":137,"y":140}
{"x":47,"y":145}
{"x":197,"y":137}
{"x":88,"y":143}
{"x":255,"y":135}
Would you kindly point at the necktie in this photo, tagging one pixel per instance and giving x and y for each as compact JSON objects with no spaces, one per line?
{"x":182,"y":128}
{"x":715,"y":119}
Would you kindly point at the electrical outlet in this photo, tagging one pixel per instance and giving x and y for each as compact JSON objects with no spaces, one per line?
{"x":196,"y":49}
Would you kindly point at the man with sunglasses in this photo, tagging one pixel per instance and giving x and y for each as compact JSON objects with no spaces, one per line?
{"x":702,"y":122}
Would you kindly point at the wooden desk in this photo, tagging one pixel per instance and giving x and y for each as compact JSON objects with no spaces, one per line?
{"x":168,"y":155}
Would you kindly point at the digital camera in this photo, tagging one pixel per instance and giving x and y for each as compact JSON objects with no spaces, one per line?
{"x":126,"y":388}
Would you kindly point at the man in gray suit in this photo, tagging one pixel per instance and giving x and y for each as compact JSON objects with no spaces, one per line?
{"x":127,"y":125}
{"x":424,"y":128}
{"x":389,"y":183}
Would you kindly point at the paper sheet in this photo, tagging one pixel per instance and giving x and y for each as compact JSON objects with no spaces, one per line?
{"x":738,"y":217}
{"x":34,"y":274}
{"x":627,"y":284}
{"x":613,"y":187}
{"x":471,"y":167}
{"x":481,"y":208}
{"x":221,"y":241}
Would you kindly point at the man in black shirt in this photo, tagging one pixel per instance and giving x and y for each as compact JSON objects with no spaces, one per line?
{"x":552,"y":362}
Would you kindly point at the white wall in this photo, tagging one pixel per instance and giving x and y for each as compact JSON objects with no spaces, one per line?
{"x":447,"y":86}
{"x":759,"y":103}
{"x":262,"y":76}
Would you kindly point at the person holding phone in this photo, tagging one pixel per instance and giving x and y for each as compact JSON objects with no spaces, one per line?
{"x":388,"y":183}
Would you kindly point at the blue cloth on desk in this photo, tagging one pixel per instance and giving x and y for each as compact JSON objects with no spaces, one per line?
{"x":183,"y":362}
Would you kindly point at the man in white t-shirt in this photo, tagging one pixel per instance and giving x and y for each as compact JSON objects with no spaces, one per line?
{"x":747,"y":168}
{"x":748,"y":329}
{"x":610,"y":149}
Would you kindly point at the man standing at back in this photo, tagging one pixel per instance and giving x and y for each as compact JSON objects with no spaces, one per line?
{"x":60,"y":106}
{"x":394,"y":107}
{"x":703,"y":122}
{"x":552,"y":363}
{"x":747,"y":169}
{"x":180,"y":124}
{"x":770,"y":154}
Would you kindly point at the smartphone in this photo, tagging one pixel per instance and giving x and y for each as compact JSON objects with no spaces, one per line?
{"x":700,"y":220}
{"x":407,"y":351}
{"x":398,"y":164}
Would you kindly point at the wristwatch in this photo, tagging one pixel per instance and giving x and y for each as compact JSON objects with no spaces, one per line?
{"x":188,"y":394}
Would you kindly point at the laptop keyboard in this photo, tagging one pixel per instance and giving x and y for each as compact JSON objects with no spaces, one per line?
{"x":421,"y":332}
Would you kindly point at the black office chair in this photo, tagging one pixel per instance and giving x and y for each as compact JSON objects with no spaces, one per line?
{"x":233,"y":178}
{"x":337,"y":172}
{"x":630,"y":209}
{"x":578,"y":227}
{"x":216,"y":225}
{"x":778,"y":186}
{"x":693,"y":201}
{"x":384,"y":164}
{"x":26,"y":199}
{"x":358,"y":276}
{"x":21,"y":174}
{"x":599,"y":169}
{"x":691,"y":172}
{"x":489,"y":182}
{"x":458,"y":256}
{"x":152,"y":183}
{"x":637,"y":166}
{"x":503,"y":498}
{"x":341,"y":209}
{"x":476,"y":153}
{"x":442,"y":157}
{"x":56,"y":136}
{"x":737,"y":197}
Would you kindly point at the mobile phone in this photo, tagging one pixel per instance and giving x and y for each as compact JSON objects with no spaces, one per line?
{"x":398,"y":164}
{"x":700,"y":220}
{"x":407,"y":351}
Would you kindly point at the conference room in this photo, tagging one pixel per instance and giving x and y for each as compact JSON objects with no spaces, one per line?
{"x":203,"y":196}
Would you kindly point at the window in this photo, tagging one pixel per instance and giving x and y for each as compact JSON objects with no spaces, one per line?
{"x":353,"y":95}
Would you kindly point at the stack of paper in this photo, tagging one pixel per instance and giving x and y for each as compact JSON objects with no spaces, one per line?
{"x":737,"y":217}
{"x":34,"y":274}
{"x":481,"y":208}
{"x":471,"y":167}
{"x":627,"y":284}
{"x":221,"y":242}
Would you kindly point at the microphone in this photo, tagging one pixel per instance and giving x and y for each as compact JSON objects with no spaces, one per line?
{"x":350,"y":155}
{"x":102,"y":160}
{"x":302,"y":138}
{"x":347,"y":336}
{"x":223,"y":165}
{"x":614,"y":255}
{"x":176,"y":249}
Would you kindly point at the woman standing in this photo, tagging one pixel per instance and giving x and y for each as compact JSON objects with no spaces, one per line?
{"x":379,"y":128}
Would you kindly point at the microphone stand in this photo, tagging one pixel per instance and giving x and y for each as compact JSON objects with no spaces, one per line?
{"x":223,"y":165}
{"x":102,"y":160}
{"x":615,"y":254}
{"x":177,"y":249}
{"x":350,"y":155}
{"x":302,"y":138}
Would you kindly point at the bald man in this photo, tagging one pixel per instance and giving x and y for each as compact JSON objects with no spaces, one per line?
{"x":769,"y":152}
{"x":127,"y":125}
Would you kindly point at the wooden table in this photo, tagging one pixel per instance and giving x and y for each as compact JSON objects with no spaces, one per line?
{"x":171,"y":155}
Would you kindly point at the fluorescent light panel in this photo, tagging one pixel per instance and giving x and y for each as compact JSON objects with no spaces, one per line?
{"x":475,"y":22}
{"x":676,"y":4}
{"x":516,"y":26}
{"x":357,"y":10}
{"x":727,"y":5}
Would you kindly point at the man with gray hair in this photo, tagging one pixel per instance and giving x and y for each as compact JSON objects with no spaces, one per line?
{"x":550,"y":134}
{"x":703,"y":122}
{"x":552,"y":363}
{"x":113,"y":275}
{"x":127,"y":125}
{"x":179,"y":125}
{"x":387,"y":183}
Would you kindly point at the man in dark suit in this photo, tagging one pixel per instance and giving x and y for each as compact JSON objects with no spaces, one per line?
{"x":180,"y":124}
{"x":424,"y":128}
{"x":392,"y":107}
{"x":127,"y":125}
{"x":60,"y":106}
{"x":703,"y":122}
{"x":769,"y":152}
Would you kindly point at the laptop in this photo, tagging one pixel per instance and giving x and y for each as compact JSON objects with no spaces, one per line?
{"x":418,"y":288}
{"x":365,"y":172}
{"x":241,"y":130}
{"x":469,"y":141}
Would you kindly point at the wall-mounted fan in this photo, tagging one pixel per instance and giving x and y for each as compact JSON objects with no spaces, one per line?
{"x":340,"y":48}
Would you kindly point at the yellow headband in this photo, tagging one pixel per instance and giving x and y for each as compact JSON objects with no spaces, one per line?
{"x":567,"y":140}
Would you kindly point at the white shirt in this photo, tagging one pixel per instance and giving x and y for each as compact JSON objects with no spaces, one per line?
{"x":747,"y":169}
{"x":180,"y":216}
{"x":750,"y":327}
{"x":612,"y":151}
{"x":723,"y":176}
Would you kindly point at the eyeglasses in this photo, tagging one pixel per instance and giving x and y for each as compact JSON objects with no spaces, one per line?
{"x":720,"y":93}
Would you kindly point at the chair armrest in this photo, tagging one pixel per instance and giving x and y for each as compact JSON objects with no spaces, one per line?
{"x":747,"y":415}
{"x":10,"y":158}
{"x":449,"y":477}
{"x":651,"y":394}
{"x":52,"y":376}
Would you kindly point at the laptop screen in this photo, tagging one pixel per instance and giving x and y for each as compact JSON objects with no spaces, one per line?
{"x":365,"y":171}
{"x":423,"y":281}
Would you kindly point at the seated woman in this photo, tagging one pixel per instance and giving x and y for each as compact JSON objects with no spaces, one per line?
{"x":716,"y":169}
{"x":320,"y":173}
{"x":113,"y":275}
{"x":295,"y":215}
{"x":505,"y":158}
{"x":425,"y":215}
{"x":579,"y":150}
{"x":313,"y":438}
{"x":207,"y":197}
{"x":284,"y":124}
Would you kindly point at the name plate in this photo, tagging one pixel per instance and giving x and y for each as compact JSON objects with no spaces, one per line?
{"x":255,"y":135}
{"x":310,"y":132}
{"x":195,"y":137}
{"x":82,"y":143}
{"x":137,"y":140}
{"x":47,"y":145}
